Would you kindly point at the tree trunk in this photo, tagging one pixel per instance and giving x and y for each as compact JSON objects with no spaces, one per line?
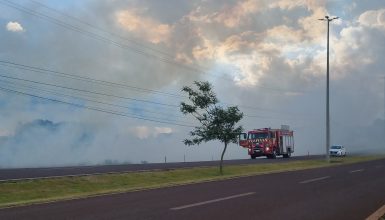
{"x":221,"y":163}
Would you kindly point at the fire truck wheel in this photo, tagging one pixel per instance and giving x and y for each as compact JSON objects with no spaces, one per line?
{"x":273,"y":155}
{"x":253,"y":157}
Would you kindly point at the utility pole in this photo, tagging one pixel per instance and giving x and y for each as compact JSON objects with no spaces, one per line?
{"x":384,"y":110}
{"x":328,"y":19}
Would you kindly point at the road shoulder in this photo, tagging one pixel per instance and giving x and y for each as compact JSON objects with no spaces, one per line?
{"x":378,"y":215}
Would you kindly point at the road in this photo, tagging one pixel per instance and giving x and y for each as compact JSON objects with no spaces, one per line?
{"x":17,"y":174}
{"x":342,"y":192}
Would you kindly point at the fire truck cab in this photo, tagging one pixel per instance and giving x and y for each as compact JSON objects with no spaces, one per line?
{"x":268,"y":142}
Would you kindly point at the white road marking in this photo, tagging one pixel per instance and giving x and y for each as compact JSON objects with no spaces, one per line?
{"x":355,"y":171}
{"x":377,"y":214}
{"x":314,"y":180}
{"x":211,"y":201}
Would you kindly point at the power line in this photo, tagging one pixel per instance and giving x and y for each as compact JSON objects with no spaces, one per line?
{"x":87,"y":91}
{"x":107,"y":83}
{"x":96,"y":101}
{"x":121,"y":37}
{"x":83,"y":78}
{"x":121,"y":106}
{"x":269,"y":117}
{"x":101,"y":29}
{"x":111,"y":104}
{"x":95,"y":36}
{"x":93,"y":108}
{"x":113,"y":42}
{"x":121,"y":97}
{"x":117,"y":105}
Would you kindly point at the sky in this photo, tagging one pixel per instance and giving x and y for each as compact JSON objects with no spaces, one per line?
{"x":99,"y":82}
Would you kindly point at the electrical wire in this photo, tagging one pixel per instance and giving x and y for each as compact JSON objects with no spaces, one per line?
{"x":96,"y":36}
{"x":101,"y":29}
{"x":83,"y":78}
{"x":118,"y":44}
{"x":100,"y":102}
{"x":87,"y":91}
{"x":7,"y":83}
{"x":108,"y":83}
{"x":109,"y":95}
{"x":93,"y":108}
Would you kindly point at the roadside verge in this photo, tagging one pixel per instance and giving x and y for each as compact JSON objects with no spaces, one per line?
{"x":17,"y":193}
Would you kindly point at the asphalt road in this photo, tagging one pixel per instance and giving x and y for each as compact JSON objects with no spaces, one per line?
{"x":15,"y":174}
{"x":343,"y":192}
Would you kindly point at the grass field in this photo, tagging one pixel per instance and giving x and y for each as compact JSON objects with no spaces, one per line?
{"x":44,"y":190}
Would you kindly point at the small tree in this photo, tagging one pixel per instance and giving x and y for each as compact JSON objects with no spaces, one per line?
{"x":216,"y":123}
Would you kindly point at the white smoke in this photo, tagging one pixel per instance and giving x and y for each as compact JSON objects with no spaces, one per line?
{"x":277,"y":66}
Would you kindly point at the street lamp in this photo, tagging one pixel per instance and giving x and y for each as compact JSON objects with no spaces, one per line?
{"x":328,"y":19}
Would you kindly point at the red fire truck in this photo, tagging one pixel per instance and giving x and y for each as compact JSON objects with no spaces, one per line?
{"x":268,"y":142}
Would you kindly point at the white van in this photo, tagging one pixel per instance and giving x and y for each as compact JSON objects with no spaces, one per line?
{"x":337,"y":151}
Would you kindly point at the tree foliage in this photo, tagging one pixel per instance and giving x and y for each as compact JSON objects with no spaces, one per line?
{"x":216,"y":122}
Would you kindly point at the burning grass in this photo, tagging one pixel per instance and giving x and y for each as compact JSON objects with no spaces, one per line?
{"x":45,"y":190}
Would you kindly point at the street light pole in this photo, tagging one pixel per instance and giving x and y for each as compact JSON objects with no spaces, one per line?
{"x":328,"y":19}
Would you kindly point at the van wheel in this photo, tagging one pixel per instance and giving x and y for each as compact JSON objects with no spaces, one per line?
{"x":287,"y":155}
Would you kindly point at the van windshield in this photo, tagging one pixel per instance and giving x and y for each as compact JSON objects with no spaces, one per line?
{"x":257,"y":135}
{"x":336,"y":147}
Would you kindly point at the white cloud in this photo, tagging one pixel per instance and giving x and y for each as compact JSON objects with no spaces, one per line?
{"x":144,"y":27}
{"x":234,"y":16}
{"x":373,"y":18}
{"x":357,"y":47}
{"x":230,"y":16}
{"x":14,"y":26}
{"x":162,"y":130}
{"x":144,"y":132}
{"x":292,"y":4}
{"x":5,"y":133}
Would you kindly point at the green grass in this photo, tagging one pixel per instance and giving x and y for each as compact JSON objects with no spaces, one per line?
{"x":44,"y":190}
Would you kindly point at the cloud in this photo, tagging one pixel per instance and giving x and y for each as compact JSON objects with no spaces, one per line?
{"x":292,"y":4}
{"x":5,"y":133}
{"x":14,"y":26}
{"x":230,"y":16}
{"x":234,"y":16}
{"x":163,"y":130}
{"x":143,"y":27}
{"x":357,"y":47}
{"x":373,"y":18}
{"x":144,"y":132}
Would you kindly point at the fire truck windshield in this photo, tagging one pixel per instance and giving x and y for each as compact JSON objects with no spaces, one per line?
{"x":257,"y":135}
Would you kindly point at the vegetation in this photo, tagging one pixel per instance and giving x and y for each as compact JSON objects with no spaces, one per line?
{"x":42,"y":190}
{"x":216,"y":123}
